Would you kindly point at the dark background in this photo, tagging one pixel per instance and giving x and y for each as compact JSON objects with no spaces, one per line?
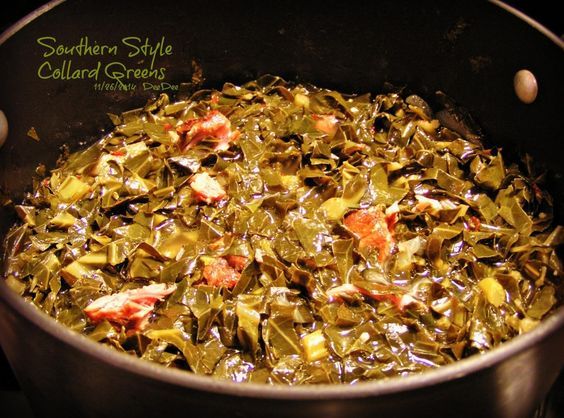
{"x":543,"y":11}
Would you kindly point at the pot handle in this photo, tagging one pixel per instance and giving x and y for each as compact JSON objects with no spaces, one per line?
{"x":3,"y":128}
{"x":8,"y":380}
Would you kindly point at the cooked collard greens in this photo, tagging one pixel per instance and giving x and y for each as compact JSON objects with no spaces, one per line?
{"x":284,"y":233}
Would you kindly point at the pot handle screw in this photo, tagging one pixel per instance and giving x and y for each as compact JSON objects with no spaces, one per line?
{"x":3,"y":128}
{"x":525,"y":85}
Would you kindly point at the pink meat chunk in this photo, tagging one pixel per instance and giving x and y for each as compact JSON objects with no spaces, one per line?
{"x":130,"y":308}
{"x":374,"y":229}
{"x":213,"y":125}
{"x":327,"y":124}
{"x":220,"y":273}
{"x":206,"y":188}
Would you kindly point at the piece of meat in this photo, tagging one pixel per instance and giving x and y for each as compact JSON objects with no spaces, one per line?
{"x":378,"y":241}
{"x":362,"y":222}
{"x":130,"y":308}
{"x":344,"y":291}
{"x":206,"y":189}
{"x":326,"y":123}
{"x":238,"y":262}
{"x":213,"y":125}
{"x":474,"y":223}
{"x":337,"y":294}
{"x":374,"y":230}
{"x":392,"y":216}
{"x":400,"y":300}
{"x":220,"y":273}
{"x":425,"y":204}
{"x":382,"y":295}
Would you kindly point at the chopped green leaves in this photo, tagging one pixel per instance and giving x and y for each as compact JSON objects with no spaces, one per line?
{"x":302,"y":236}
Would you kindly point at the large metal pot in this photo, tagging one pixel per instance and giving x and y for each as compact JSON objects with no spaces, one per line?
{"x":471,"y":51}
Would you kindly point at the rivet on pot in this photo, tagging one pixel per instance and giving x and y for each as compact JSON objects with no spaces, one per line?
{"x":525,"y":85}
{"x":3,"y":128}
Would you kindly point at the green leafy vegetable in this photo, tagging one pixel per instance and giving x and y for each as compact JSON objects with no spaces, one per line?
{"x":284,"y":233}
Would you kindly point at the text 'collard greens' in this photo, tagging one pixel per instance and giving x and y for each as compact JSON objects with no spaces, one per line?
{"x":289,"y":234}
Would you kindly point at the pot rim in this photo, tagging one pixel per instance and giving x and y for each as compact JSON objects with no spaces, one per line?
{"x":474,"y":364}
{"x":531,"y":22}
{"x":13,"y":29}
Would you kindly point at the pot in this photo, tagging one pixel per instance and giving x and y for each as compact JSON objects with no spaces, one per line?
{"x":69,"y":63}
